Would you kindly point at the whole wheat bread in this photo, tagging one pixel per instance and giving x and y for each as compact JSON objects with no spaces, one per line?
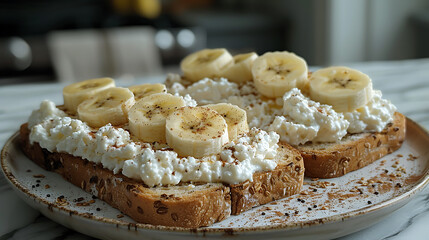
{"x":328,"y":160}
{"x":185,"y":205}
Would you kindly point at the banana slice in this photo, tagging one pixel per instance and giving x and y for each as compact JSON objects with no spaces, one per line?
{"x":275,"y":73}
{"x":76,"y":93}
{"x":208,"y":63}
{"x":143,"y":90}
{"x":196,"y":131}
{"x":241,"y":71}
{"x":107,"y":106}
{"x":147,"y":117}
{"x":344,"y":88}
{"x":235,"y":117}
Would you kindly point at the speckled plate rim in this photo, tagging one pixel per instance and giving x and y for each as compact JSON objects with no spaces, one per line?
{"x":418,"y":186}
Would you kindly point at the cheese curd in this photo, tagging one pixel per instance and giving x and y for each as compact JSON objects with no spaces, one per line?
{"x":255,"y":152}
{"x":293,"y":133}
{"x":260,"y":113}
{"x":47,"y":110}
{"x":108,"y":146}
{"x":207,"y":91}
{"x":236,"y":163}
{"x":189,"y":101}
{"x":113,"y":148}
{"x":372,"y":117}
{"x":305,"y":120}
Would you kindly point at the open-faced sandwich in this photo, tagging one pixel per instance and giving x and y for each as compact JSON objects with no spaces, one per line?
{"x":216,"y":141}
{"x":333,"y":116}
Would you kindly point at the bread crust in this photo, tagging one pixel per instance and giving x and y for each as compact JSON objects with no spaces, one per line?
{"x":186,"y":207}
{"x":354,"y":152}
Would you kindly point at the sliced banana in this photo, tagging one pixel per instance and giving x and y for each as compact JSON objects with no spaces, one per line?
{"x":209,"y":63}
{"x":275,"y":73}
{"x":235,"y":117}
{"x":108,"y":106}
{"x":344,"y":88}
{"x":241,"y":70}
{"x":143,"y":90}
{"x":147,"y":116}
{"x":76,"y":93}
{"x":196,"y":131}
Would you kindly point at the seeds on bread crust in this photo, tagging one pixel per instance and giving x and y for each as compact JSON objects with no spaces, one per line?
{"x":162,"y":210}
{"x":361,"y":149}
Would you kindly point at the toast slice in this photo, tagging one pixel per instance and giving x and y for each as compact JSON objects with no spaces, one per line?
{"x":355,"y":151}
{"x":184,"y":205}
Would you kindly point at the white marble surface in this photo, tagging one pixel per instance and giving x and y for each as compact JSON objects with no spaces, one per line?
{"x":405,"y":83}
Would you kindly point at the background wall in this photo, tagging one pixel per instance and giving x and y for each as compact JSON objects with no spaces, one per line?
{"x":337,"y":31}
{"x":390,"y":30}
{"x":36,"y":42}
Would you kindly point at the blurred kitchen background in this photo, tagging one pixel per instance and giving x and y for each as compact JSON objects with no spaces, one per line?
{"x":73,"y":40}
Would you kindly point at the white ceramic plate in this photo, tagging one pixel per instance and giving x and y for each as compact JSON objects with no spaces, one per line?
{"x":325,"y":209}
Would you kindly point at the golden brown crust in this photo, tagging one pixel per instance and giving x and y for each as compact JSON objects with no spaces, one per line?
{"x":354,"y":152}
{"x":143,"y":204}
{"x":202,"y":206}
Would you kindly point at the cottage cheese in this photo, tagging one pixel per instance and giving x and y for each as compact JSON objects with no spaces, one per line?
{"x":255,"y":152}
{"x":260,"y":113}
{"x":189,"y":101}
{"x":47,"y":110}
{"x":113,"y":148}
{"x":236,"y":163}
{"x":305,"y":120}
{"x":108,"y":146}
{"x":293,"y":133}
{"x":208,"y":91}
{"x":373,"y":117}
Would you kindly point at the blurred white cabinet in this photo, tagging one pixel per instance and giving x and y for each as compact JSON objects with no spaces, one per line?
{"x":339,"y":31}
{"x":370,"y":30}
{"x":83,"y":54}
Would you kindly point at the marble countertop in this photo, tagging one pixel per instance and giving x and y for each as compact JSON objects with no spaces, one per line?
{"x":405,"y":83}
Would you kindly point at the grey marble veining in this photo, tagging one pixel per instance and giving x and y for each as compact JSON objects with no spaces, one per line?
{"x":42,"y":228}
{"x":405,"y":83}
